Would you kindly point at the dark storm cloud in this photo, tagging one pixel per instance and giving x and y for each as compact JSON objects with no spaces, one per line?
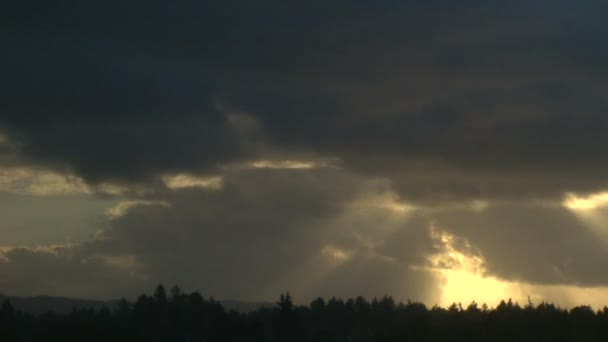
{"x":128,"y":90}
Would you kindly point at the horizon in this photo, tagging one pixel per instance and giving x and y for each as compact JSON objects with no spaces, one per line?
{"x":428,"y":150}
{"x":235,"y":304}
{"x":189,"y":316}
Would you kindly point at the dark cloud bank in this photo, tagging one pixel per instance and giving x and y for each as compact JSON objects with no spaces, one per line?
{"x":445,"y":102}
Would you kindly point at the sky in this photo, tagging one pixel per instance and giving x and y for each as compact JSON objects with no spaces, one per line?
{"x":441,"y":151}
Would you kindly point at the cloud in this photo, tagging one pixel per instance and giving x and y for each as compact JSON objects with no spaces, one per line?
{"x":123,"y":208}
{"x":61,"y":270}
{"x":473,"y":91}
{"x":279,"y":137}
{"x":327,"y":231}
{"x":578,"y":203}
{"x":278,"y":241}
{"x":531,"y":244}
{"x":181,"y":181}
{"x":40,"y":182}
{"x":287,"y":164}
{"x":313,"y":233}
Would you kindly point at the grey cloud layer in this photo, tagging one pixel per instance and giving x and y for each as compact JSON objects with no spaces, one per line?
{"x":66,"y":271}
{"x":312,"y":232}
{"x":264,"y":232}
{"x":271,"y":229}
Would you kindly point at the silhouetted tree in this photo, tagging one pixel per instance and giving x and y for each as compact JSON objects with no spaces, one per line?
{"x":160,"y":294}
{"x":190,"y":317}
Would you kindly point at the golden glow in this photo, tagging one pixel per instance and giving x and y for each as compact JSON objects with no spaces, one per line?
{"x":463,"y":276}
{"x":465,"y":286}
{"x":464,"y":279}
{"x":181,"y":181}
{"x":590,"y":202}
{"x":590,"y":211}
{"x":569,"y":296}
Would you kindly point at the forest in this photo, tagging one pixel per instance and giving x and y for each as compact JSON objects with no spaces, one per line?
{"x":180,"y":316}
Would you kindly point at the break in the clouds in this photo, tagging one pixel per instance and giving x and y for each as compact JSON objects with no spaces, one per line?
{"x":345,"y":147}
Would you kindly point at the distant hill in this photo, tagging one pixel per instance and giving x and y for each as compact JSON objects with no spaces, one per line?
{"x":42,"y":304}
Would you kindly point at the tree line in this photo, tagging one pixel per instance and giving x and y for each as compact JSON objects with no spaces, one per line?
{"x":179,"y":316}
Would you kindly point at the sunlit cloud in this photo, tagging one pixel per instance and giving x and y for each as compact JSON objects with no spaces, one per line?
{"x":288,"y":164}
{"x":336,"y":254}
{"x":40,"y":182}
{"x":112,"y":189}
{"x":370,"y":220}
{"x":384,"y":199}
{"x":464,"y":279}
{"x":582,"y":203}
{"x":36,"y":182}
{"x":591,"y":211}
{"x":182,"y":181}
{"x":463,"y":275}
{"x":479,"y":205}
{"x":52,"y":249}
{"x":123,"y":208}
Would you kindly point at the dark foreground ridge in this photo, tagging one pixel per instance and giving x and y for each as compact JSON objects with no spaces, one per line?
{"x":179,"y":316}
